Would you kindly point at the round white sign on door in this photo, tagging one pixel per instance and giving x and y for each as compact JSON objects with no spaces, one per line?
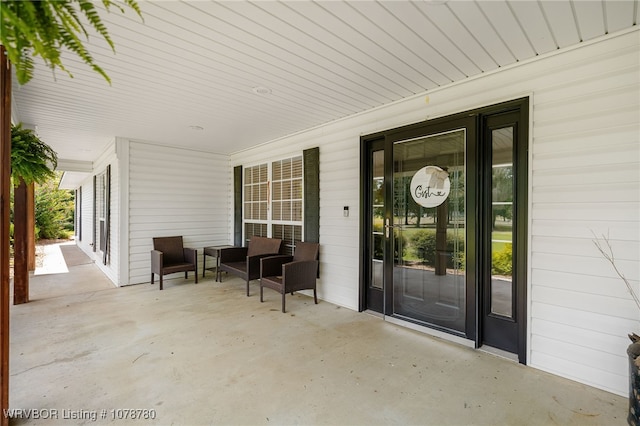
{"x":430,"y":186}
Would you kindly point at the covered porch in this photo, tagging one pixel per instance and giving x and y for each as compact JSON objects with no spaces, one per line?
{"x":206,"y":94}
{"x":207,"y":354}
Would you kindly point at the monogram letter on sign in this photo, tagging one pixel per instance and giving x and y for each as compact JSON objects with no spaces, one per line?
{"x":430,"y":186}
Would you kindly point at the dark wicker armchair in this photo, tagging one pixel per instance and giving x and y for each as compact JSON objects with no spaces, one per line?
{"x":286,"y":274}
{"x":170,"y":256}
{"x":245,"y":261}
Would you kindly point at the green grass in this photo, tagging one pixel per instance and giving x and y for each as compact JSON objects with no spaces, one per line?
{"x":500,"y":235}
{"x":504,"y":234}
{"x":497,"y":246}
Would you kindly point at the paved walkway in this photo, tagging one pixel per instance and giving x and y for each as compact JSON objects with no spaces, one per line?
{"x":63,"y":269}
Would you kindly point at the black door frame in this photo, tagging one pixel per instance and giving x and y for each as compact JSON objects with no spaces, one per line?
{"x":477,"y":190}
{"x":442,"y":125}
{"x":518,"y":117}
{"x":370,"y":298}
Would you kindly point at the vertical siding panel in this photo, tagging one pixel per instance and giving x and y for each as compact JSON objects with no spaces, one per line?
{"x":586,"y":179}
{"x":111,"y":270}
{"x":87,"y":216}
{"x":173,"y":191}
{"x":114,"y":235}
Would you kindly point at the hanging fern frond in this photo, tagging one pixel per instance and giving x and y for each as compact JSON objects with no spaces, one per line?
{"x":31,"y":159}
{"x":91,"y":14}
{"x":43,"y":28}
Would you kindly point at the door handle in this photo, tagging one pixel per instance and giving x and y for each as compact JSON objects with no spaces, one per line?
{"x":386,"y":228}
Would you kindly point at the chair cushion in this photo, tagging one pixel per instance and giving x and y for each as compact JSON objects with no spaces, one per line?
{"x":235,"y":266}
{"x":274,"y":283}
{"x":178,"y":267}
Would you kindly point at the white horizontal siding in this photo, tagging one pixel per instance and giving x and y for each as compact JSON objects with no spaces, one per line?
{"x":173,"y":191}
{"x":85,"y":240}
{"x":86,"y":243}
{"x":112,"y":268}
{"x":585,"y":178}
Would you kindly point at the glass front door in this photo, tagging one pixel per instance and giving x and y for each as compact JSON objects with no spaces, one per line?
{"x":444,"y":225}
{"x":429,"y":229}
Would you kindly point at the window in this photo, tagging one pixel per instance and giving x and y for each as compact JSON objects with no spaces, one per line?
{"x":78,"y":213}
{"x":273,"y":201}
{"x":255,"y":193}
{"x":255,"y":201}
{"x":98,"y":211}
{"x":286,"y":176}
{"x":101,"y":213}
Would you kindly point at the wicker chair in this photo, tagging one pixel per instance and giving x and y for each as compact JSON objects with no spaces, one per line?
{"x":170,"y":256}
{"x":286,"y":274}
{"x":245,"y":261}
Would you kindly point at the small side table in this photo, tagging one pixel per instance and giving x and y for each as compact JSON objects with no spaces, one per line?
{"x":213,"y":251}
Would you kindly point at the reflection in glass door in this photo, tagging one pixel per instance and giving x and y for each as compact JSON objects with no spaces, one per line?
{"x":502,"y":197}
{"x":377,"y":219}
{"x":503,"y":287}
{"x":375,"y":213}
{"x":429,"y":229}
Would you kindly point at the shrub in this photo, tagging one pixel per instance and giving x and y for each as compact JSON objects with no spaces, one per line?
{"x":423,"y":243}
{"x":54,"y":211}
{"x":502,"y":261}
{"x":399,"y":245}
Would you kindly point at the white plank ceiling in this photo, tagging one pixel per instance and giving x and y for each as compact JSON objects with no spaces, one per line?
{"x":194,"y":72}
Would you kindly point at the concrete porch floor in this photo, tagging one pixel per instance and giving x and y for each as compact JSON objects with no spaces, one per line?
{"x":207,"y":354}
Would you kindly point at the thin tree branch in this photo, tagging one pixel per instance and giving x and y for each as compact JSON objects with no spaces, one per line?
{"x":604,"y":246}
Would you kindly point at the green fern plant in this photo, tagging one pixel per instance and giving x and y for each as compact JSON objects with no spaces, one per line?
{"x":44,"y":27}
{"x":31,"y":159}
